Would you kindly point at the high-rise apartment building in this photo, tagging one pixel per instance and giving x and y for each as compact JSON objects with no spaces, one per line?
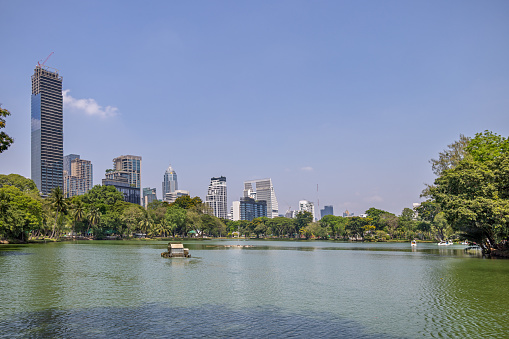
{"x":262,"y":189}
{"x":170,"y":183}
{"x":307,"y":206}
{"x":217,"y":198}
{"x":130,"y":164}
{"x":327,"y":210}
{"x":78,"y":175}
{"x":47,"y":145}
{"x":126,"y":177}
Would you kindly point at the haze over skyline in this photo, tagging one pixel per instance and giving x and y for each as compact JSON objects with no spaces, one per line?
{"x":354,"y":97}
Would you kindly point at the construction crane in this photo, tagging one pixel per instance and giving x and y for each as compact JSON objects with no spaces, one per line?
{"x":40,"y":65}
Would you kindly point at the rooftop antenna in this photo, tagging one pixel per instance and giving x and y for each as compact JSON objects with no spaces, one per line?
{"x":40,"y":65}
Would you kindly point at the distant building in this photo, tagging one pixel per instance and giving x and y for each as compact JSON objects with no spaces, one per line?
{"x":172,"y":196}
{"x":67,"y":161}
{"x":347,"y":214}
{"x":216,"y":197}
{"x":120,"y":180}
{"x":307,"y":206}
{"x":149,"y":195}
{"x":291,"y":214}
{"x":327,"y":210}
{"x":170,"y":183}
{"x":78,"y":176}
{"x":235,"y":211}
{"x":262,"y":190}
{"x":250,"y":208}
{"x":47,"y":130}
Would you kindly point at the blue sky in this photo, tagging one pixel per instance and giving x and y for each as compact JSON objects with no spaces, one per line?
{"x":352,"y":96}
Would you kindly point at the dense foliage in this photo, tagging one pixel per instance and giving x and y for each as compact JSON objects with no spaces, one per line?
{"x":5,"y":140}
{"x":473,"y":195}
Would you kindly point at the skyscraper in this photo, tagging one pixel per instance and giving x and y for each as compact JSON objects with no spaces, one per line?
{"x":170,"y":183}
{"x":216,"y":197}
{"x":47,"y":146}
{"x":132,"y":165}
{"x":78,"y":175}
{"x":263,"y":190}
{"x":126,"y":177}
{"x":327,"y":210}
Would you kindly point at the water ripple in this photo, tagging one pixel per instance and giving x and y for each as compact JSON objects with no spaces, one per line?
{"x":161,"y":321}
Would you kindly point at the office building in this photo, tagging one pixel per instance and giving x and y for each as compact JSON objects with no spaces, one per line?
{"x":47,"y":140}
{"x":327,"y":210}
{"x":307,"y":206}
{"x":172,"y":196}
{"x":262,"y":189}
{"x":250,"y":208}
{"x":170,"y":183}
{"x":149,"y":195}
{"x":126,"y":177}
{"x":216,"y":197}
{"x":120,"y":180}
{"x":130,"y":164}
{"x":78,"y":175}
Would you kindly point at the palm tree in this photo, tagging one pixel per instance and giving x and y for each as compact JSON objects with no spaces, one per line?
{"x":78,"y":214}
{"x":58,"y":204}
{"x":145,"y":223}
{"x":94,"y":215}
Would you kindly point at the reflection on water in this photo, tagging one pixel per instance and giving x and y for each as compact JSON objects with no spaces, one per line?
{"x":259,"y":288}
{"x":163,"y":321}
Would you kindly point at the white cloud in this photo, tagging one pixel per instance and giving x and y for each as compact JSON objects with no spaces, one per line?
{"x":307,"y":169}
{"x":88,"y":106}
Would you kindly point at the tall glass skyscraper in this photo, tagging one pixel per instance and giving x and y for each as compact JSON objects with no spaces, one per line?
{"x":47,"y":148}
{"x":170,"y":183}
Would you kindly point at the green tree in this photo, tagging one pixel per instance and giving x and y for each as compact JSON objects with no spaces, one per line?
{"x":474,"y":195}
{"x":78,"y":213}
{"x":58,"y":204}
{"x":302,"y":219}
{"x":20,"y":213}
{"x":19,"y":181}
{"x":186,"y":202}
{"x":94,"y":217}
{"x":376,"y":215}
{"x":175,"y":218}
{"x":5,"y":140}
{"x":451,"y":156}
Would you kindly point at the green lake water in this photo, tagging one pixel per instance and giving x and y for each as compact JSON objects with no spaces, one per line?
{"x":107,"y":289}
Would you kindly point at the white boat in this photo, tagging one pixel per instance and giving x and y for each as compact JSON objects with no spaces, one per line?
{"x":445,"y":243}
{"x":465,"y":242}
{"x":413,"y":243}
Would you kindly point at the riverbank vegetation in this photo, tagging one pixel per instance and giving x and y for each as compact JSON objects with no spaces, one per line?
{"x":469,"y":200}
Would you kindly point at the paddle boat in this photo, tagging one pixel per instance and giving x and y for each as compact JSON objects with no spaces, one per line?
{"x":413,"y":243}
{"x":445,"y":243}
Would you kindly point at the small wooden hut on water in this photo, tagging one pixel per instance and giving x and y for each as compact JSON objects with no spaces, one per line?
{"x":176,"y":250}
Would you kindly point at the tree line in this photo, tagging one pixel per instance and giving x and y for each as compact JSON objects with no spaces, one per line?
{"x":468,"y":200}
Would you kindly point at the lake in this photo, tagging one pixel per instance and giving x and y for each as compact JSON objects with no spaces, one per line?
{"x":103,"y":289}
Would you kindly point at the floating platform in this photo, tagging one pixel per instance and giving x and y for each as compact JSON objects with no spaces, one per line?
{"x":176,"y":250}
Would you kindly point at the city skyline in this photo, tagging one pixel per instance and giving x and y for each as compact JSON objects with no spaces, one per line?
{"x":352,"y":97}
